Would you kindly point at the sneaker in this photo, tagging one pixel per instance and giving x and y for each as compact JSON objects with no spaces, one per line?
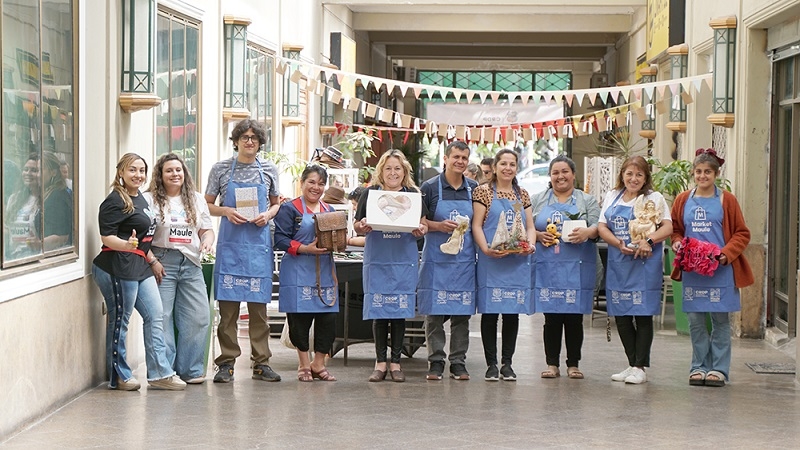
{"x":637,"y":376}
{"x":195,"y":380}
{"x":459,"y":372}
{"x":265,"y":372}
{"x":622,"y":375}
{"x":436,"y":371}
{"x":173,"y":383}
{"x":507,"y":373}
{"x":224,"y":374}
{"x":492,"y":374}
{"x":131,"y":385}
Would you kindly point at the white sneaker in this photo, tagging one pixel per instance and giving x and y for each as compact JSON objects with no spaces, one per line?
{"x":131,"y":385}
{"x":637,"y":376}
{"x":173,"y":383}
{"x":622,"y":375}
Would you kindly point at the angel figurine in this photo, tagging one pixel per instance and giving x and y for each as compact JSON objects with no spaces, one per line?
{"x":646,"y":218}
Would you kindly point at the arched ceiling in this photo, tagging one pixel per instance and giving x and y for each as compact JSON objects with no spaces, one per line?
{"x":552,"y":30}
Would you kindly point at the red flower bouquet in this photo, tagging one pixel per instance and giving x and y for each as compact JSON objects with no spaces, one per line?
{"x":697,"y":256}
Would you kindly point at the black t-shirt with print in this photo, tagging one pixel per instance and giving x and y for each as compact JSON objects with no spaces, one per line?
{"x":114,"y":222}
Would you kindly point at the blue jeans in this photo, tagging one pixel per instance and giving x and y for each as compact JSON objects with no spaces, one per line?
{"x":710,"y":352}
{"x":121,"y":297}
{"x":185,"y":301}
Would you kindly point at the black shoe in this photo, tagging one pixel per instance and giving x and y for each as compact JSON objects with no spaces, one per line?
{"x":224,"y":374}
{"x":492,"y":374}
{"x":436,"y":371}
{"x":265,"y":372}
{"x":507,"y":373}
{"x":459,"y":372}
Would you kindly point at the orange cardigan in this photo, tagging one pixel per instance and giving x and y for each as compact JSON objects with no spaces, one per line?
{"x":735,"y":233}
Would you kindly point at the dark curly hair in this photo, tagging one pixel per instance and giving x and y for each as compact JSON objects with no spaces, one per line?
{"x":242,"y":127}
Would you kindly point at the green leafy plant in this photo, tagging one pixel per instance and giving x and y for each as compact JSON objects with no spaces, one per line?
{"x":676,"y":176}
{"x":284,"y":164}
{"x":357,"y":144}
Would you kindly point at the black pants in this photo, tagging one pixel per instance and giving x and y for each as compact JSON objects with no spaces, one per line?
{"x":636,"y":339}
{"x":572,"y":324}
{"x":380,"y":332}
{"x":324,"y":330}
{"x":489,"y":337}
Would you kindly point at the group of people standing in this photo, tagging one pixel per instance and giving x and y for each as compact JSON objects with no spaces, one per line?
{"x":153,"y":241}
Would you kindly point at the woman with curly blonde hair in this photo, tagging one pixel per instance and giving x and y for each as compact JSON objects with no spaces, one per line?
{"x":183,"y":234}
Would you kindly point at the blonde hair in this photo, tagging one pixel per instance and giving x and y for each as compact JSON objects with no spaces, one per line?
{"x":118,"y":186}
{"x":408,"y":182}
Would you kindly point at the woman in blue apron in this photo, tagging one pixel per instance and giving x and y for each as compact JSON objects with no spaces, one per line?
{"x":308,"y":292}
{"x":390,"y":271}
{"x":709,"y":214}
{"x":503,"y":280}
{"x":566,"y":268}
{"x":635,"y":270}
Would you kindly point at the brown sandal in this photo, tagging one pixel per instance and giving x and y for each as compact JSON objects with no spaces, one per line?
{"x":323,"y":375}
{"x":304,"y":375}
{"x":551,"y":372}
{"x":574,"y":373}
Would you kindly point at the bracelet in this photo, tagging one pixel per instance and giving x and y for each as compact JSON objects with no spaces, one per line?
{"x":155,"y":260}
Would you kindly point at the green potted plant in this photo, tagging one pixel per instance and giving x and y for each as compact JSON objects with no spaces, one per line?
{"x":357,"y":147}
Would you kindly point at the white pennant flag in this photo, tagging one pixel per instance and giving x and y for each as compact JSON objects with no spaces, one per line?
{"x":482,"y":95}
{"x":470,"y":96}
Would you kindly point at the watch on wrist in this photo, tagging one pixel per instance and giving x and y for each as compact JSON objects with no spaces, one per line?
{"x":649,"y":242}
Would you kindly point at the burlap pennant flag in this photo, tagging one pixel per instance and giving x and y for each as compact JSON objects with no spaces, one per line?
{"x":354,"y":105}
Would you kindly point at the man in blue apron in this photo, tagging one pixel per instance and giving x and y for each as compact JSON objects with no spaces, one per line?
{"x":446,"y":289}
{"x":248,"y":189}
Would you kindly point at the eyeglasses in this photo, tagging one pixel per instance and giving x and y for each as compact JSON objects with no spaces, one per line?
{"x":252,"y":138}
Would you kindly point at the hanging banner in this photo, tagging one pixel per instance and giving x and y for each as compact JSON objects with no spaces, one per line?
{"x":493,"y":115}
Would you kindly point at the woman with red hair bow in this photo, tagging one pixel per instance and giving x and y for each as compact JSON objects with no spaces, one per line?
{"x":710,"y":214}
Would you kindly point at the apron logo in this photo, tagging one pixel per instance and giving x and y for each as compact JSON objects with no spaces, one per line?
{"x":637,"y":298}
{"x":700,"y":214}
{"x":453,"y":215}
{"x":441,"y":295}
{"x":255,"y":285}
{"x":227,"y":281}
{"x":557,"y":218}
{"x":715,"y":295}
{"x":509,"y":218}
{"x":571,"y":295}
{"x":620,"y":223}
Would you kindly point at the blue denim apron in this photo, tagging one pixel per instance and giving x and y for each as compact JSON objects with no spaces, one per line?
{"x":633,"y":286}
{"x":702,"y":219}
{"x":390,"y":275}
{"x":504,"y":284}
{"x":565,"y":274}
{"x":298,"y":291}
{"x":447,"y":282}
{"x":243,"y":269}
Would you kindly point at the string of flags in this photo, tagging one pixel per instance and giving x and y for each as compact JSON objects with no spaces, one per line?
{"x":644,"y":100}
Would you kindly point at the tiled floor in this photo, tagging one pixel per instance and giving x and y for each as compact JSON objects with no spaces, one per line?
{"x":752,"y":411}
